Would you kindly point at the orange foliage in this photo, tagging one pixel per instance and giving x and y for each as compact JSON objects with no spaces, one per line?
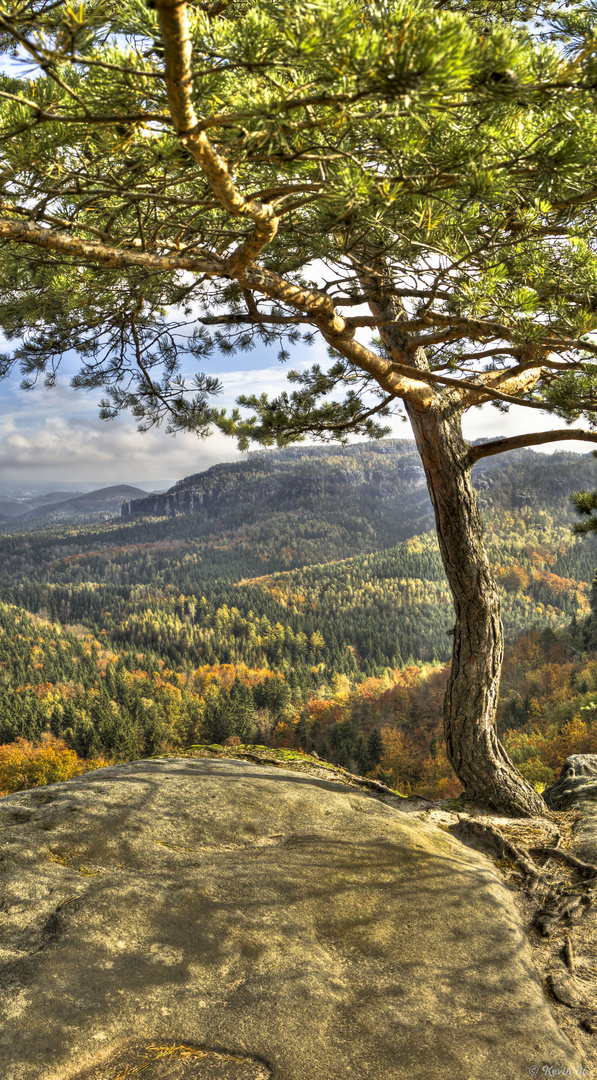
{"x":576,"y":737}
{"x":527,"y":650}
{"x":538,"y":554}
{"x":438,"y":780}
{"x":23,"y":765}
{"x":513,"y":578}
{"x":324,"y":711}
{"x":41,"y":690}
{"x":283,"y":734}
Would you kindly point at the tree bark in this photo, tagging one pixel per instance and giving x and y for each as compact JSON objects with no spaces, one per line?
{"x":475,"y":753}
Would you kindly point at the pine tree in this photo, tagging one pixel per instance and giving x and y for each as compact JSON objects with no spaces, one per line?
{"x":344,"y":758}
{"x":361,"y":755}
{"x":375,"y":746}
{"x":178,"y":174}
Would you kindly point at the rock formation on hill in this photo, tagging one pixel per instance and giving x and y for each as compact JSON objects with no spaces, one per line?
{"x":249,"y":921}
{"x":291,"y":478}
{"x":371,"y":475}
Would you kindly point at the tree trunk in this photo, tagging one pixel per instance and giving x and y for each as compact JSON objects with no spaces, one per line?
{"x":477,"y":757}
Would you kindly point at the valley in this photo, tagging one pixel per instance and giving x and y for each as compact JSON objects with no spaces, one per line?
{"x":296,"y":599}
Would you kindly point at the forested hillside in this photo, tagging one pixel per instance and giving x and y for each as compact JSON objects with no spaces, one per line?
{"x":384,"y":477}
{"x":63,"y":506}
{"x":298,"y":622}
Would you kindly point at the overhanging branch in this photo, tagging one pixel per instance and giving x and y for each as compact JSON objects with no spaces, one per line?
{"x":25,"y":232}
{"x":536,"y":438}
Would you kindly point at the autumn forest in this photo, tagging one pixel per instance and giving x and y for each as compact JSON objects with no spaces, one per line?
{"x":304,"y":606}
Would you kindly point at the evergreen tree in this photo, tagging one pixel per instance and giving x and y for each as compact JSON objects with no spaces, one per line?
{"x":344,"y":758}
{"x":432,"y":165}
{"x":375,"y":746}
{"x":361,"y":755}
{"x":302,"y":733}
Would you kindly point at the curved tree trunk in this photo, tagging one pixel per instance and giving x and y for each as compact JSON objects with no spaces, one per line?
{"x":477,"y":757}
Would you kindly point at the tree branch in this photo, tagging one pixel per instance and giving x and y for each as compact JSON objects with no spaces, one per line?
{"x":176,"y":39}
{"x":315,"y":303}
{"x":400,"y":380}
{"x":482,"y":329}
{"x":576,"y":200}
{"x":42,"y":115}
{"x":537,"y":438}
{"x":26,"y":232}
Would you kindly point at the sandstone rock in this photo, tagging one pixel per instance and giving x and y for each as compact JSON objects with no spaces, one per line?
{"x":577,"y":783}
{"x":298,"y":929}
{"x":577,"y":787}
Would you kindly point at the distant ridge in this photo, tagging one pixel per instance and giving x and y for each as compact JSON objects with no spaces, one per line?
{"x":106,"y":500}
{"x":288,"y":479}
{"x":21,"y":507}
{"x":364,"y":476}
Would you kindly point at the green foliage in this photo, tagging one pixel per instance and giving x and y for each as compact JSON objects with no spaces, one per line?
{"x":229,"y":715}
{"x":585,"y":504}
{"x":152,"y":634}
{"x":450,"y":145}
{"x":213,"y":587}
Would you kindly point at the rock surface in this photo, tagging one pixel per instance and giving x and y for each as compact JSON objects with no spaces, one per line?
{"x":293,"y":928}
{"x":577,"y":783}
{"x":577,"y":788}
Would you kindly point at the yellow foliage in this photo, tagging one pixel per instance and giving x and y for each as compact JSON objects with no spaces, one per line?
{"x":23,"y":765}
{"x":341,"y":688}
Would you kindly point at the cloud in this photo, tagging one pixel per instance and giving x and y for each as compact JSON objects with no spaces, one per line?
{"x":488,"y":423}
{"x":50,"y":438}
{"x":53,"y":437}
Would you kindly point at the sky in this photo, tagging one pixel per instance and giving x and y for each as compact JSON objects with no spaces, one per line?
{"x":54,"y":439}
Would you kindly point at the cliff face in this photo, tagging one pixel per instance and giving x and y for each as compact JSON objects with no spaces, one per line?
{"x":361,"y":479}
{"x":289,"y":479}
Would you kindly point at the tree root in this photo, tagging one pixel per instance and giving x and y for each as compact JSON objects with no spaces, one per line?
{"x":560,"y":902}
{"x":588,"y":870}
{"x":492,"y":837}
{"x":558,"y":907}
{"x":569,"y":954}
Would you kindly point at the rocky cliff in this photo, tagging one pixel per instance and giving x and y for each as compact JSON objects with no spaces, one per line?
{"x":362,"y":477}
{"x":289,"y":479}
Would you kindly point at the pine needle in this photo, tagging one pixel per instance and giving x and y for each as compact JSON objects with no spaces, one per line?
{"x":159,"y":1053}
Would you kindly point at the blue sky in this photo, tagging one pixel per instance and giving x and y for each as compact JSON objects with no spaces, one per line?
{"x":54,"y":438}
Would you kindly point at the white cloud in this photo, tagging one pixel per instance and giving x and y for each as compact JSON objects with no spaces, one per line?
{"x":488,"y":423}
{"x":53,"y":437}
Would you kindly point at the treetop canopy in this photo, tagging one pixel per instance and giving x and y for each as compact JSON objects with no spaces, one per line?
{"x":415,"y":182}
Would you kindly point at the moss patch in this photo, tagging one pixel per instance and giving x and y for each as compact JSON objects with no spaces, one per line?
{"x":284,"y":758}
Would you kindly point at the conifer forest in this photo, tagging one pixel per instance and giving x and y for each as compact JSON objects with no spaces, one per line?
{"x":296,"y":628}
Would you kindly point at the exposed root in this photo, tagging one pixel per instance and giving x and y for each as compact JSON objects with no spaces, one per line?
{"x":559,"y":906}
{"x":569,"y":954}
{"x":562,"y":901}
{"x":494,"y":838}
{"x":588,"y":870}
